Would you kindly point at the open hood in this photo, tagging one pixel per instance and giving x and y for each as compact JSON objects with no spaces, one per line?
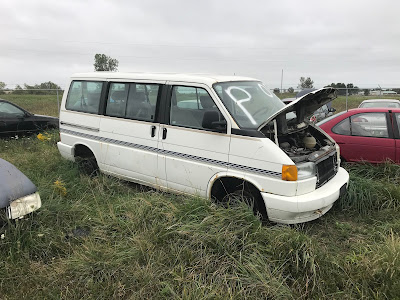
{"x":303,"y":107}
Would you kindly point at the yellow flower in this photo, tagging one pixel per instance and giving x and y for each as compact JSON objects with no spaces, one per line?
{"x":43,"y":137}
{"x":60,"y":188}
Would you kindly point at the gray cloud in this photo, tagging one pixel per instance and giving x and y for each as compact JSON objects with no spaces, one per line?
{"x":330,"y":41}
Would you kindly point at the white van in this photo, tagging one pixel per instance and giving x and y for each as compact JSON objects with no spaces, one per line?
{"x":214,"y":136}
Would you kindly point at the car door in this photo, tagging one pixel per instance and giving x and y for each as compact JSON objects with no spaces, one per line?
{"x":396,"y":131}
{"x":11,"y":118}
{"x":130,"y":132}
{"x":193,"y":154}
{"x":366,"y":136}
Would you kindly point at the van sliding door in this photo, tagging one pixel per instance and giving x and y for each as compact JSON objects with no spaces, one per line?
{"x":130,"y":132}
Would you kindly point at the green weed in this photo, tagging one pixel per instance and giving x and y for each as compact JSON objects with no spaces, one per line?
{"x":37,"y":104}
{"x":106,"y":238}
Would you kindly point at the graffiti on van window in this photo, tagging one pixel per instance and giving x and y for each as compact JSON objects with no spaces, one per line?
{"x":265,"y":90}
{"x":241,"y":101}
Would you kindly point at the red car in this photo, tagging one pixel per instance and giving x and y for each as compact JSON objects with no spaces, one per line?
{"x":366,"y":134}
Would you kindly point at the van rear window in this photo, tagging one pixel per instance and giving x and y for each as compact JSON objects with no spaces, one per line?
{"x":84,"y":96}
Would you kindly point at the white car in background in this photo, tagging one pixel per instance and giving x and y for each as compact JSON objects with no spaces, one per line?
{"x":373,"y":103}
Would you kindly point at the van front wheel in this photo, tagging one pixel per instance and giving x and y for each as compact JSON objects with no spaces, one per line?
{"x":251,"y":198}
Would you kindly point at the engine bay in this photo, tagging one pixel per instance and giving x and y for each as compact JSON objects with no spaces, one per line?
{"x":302,"y":143}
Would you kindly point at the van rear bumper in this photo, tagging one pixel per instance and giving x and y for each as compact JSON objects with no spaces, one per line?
{"x":306,"y":207}
{"x":66,"y":151}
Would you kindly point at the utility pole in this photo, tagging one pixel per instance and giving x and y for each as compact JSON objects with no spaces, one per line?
{"x":281,"y":80}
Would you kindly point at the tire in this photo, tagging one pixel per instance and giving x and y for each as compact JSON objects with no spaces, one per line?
{"x":88,"y":166}
{"x":250,"y":197}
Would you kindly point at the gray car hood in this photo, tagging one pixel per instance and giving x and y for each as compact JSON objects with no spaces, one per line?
{"x":13,"y":184}
{"x":304,"y":106}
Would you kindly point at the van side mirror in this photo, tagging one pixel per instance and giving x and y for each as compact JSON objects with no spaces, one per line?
{"x":331,"y":109}
{"x":211,"y":120}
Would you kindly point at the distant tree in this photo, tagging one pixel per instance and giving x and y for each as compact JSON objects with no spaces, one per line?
{"x":341,"y":88}
{"x":352,"y":89}
{"x":49,"y":85}
{"x":18,"y":90}
{"x":2,"y":86}
{"x":366,"y":92}
{"x":306,"y":83}
{"x":397,"y":91}
{"x":277,"y":90}
{"x":103,"y":62}
{"x":45,"y":88}
{"x":290,"y":90}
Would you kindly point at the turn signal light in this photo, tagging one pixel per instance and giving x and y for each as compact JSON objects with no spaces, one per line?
{"x":289,"y":172}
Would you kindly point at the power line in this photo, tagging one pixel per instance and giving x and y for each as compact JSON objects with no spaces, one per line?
{"x":235,"y":46}
{"x":219,"y":59}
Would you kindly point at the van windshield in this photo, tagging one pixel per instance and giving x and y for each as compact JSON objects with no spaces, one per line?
{"x":250,"y":103}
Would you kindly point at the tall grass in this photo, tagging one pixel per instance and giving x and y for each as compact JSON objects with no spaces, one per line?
{"x":372,"y":188}
{"x":37,"y":104}
{"x":353,"y":101}
{"x":106,"y":238}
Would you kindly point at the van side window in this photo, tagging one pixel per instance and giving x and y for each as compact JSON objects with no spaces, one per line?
{"x":132,"y":100}
{"x":142,"y":100}
{"x":188,"y":105}
{"x":84,"y":96}
{"x":117,"y":98}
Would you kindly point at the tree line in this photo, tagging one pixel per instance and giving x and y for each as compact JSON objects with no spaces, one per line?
{"x":103,"y":62}
{"x":342,"y":88}
{"x":45,"y":88}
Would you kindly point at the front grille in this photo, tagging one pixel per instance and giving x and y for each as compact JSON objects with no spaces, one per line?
{"x":326,"y":169}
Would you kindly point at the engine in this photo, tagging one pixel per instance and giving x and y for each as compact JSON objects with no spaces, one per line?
{"x":306,"y":145}
{"x":312,"y":152}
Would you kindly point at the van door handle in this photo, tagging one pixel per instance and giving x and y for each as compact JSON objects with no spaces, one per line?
{"x":153,"y":131}
{"x":164,"y":133}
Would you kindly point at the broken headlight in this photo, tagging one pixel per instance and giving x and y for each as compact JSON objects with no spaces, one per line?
{"x":305,"y":170}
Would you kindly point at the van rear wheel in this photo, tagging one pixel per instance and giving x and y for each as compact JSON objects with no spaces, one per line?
{"x":88,"y":165}
{"x":86,"y":160}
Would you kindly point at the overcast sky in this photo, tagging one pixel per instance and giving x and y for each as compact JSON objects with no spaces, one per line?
{"x":330,"y":41}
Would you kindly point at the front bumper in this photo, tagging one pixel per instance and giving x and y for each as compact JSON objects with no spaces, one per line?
{"x":306,"y":207}
{"x":23,"y":206}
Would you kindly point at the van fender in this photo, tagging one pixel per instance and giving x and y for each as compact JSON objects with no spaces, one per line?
{"x":233,"y":174}
{"x":80,"y":143}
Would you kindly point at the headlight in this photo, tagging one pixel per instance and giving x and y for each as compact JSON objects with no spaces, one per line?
{"x":306,"y":170}
{"x":338,"y":154}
